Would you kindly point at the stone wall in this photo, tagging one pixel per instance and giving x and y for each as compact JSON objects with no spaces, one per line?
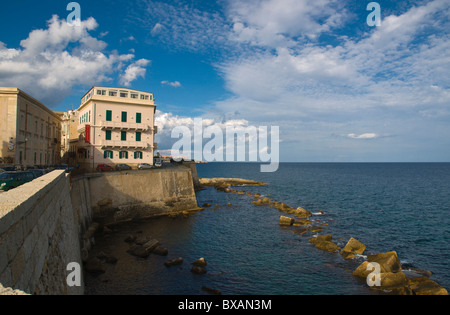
{"x":123,"y":196}
{"x":39,"y":236}
{"x":49,"y":223}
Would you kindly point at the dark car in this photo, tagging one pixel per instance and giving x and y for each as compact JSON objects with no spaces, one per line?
{"x":37,"y":173}
{"x":104,"y":168}
{"x":123,"y":167}
{"x":10,"y":180}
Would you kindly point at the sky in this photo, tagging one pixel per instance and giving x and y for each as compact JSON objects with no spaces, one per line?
{"x":339,"y":89}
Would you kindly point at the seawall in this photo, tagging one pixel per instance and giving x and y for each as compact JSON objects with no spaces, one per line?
{"x":124,"y":196}
{"x":39,"y":236}
{"x":50,"y":222}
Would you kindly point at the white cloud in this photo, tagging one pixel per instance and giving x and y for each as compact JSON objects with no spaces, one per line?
{"x":134,"y":71}
{"x":363,"y":136}
{"x":53,"y":60}
{"x":175,"y":84}
{"x":276,"y":23}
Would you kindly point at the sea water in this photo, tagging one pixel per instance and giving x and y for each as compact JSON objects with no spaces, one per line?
{"x":402,"y":207}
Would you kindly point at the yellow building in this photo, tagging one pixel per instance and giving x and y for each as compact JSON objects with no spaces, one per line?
{"x":116,"y":126}
{"x":69,"y":136}
{"x":30,"y":133}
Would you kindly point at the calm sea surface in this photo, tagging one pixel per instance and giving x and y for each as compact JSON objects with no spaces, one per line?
{"x":400,"y":206}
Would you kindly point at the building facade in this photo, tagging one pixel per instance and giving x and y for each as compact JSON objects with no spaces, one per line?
{"x":69,"y":136}
{"x":115,"y":126}
{"x":30,"y":133}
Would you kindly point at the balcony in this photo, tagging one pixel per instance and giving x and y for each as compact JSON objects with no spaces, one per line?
{"x":110,"y":125}
{"x":111,"y":144}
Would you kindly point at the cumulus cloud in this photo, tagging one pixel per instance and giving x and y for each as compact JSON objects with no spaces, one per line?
{"x":175,"y":84}
{"x":134,"y":71}
{"x":51,"y":61}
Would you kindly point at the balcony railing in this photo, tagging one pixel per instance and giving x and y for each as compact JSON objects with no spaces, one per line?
{"x":105,"y":125}
{"x":106,"y":144}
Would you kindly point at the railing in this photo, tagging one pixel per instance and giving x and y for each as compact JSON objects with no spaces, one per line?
{"x":123,"y":126}
{"x":124,"y":144}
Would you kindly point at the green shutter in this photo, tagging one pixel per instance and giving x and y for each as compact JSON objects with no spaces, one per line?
{"x":124,"y":116}
{"x":138,"y":136}
{"x":123,"y":135}
{"x":108,"y":135}
{"x":108,"y":115}
{"x":138,"y":118}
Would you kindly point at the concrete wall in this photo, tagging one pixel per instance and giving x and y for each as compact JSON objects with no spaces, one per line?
{"x":48,"y":223}
{"x":124,"y":196}
{"x":39,"y":236}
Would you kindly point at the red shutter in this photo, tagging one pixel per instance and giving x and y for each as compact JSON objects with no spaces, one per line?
{"x":87,"y":134}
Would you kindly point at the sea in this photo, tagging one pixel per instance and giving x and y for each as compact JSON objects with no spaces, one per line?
{"x":402,"y":207}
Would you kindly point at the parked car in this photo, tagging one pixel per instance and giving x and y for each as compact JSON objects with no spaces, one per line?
{"x":37,"y":173}
{"x":104,"y":168}
{"x":158,"y":164}
{"x":10,"y":180}
{"x":123,"y":167}
{"x":2,"y":170}
{"x":144,"y":166}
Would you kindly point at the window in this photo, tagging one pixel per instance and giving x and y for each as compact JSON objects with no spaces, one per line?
{"x":108,"y":135}
{"x":109,"y":115}
{"x":112,"y":93}
{"x":123,"y":155}
{"x":144,"y":97}
{"x":124,"y":116}
{"x":101,"y":92}
{"x":108,"y":154}
{"x":138,"y":137}
{"x":134,"y":95}
{"x":138,"y":155}
{"x":123,"y":94}
{"x":138,"y":118}
{"x":123,"y":135}
{"x":89,"y":116}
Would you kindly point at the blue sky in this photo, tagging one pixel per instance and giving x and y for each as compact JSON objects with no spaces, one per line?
{"x":340,"y":90}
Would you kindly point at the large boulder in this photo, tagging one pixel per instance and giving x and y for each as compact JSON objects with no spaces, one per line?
{"x":174,"y":262}
{"x":353,"y":247}
{"x":200,"y":262}
{"x":389,"y":261}
{"x":302,"y":213}
{"x":324,"y":242}
{"x":426,"y":286}
{"x":263,"y":201}
{"x":144,"y":250}
{"x":286,"y":221}
{"x":283,"y":207}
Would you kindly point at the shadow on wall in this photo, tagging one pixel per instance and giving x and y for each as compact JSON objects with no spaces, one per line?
{"x":131,"y":195}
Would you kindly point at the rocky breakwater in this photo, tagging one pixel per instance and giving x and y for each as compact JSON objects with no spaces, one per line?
{"x":382,"y":271}
{"x":224,"y":183}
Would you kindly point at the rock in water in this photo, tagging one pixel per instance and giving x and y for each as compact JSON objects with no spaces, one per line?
{"x":353,"y":247}
{"x":324,"y":242}
{"x":161,"y":251}
{"x":302,"y":213}
{"x":198,"y":270}
{"x":200,"y":262}
{"x":389,"y":261}
{"x":174,"y":262}
{"x":286,"y":221}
